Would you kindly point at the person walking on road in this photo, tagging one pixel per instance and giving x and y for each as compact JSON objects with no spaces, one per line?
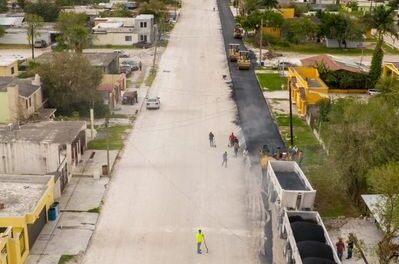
{"x":236,"y":147}
{"x":211,"y":137}
{"x":224,"y":159}
{"x":232,"y":138}
{"x":340,"y":248}
{"x":140,"y":65}
{"x":350,"y":246}
{"x":199,"y":238}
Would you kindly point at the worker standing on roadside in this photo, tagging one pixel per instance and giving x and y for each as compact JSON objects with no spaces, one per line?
{"x":199,"y":238}
{"x":224,"y":159}
{"x":236,"y":147}
{"x":211,"y":137}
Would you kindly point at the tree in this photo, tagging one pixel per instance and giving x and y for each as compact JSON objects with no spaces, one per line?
{"x":34,"y":23}
{"x":21,"y":3}
{"x":269,"y":4}
{"x":381,"y":19}
{"x":340,"y":27}
{"x":154,"y":7}
{"x":2,"y":31}
{"x":300,"y":30}
{"x":270,"y":19}
{"x":3,"y":6}
{"x":361,"y":136}
{"x":48,"y":11}
{"x":119,"y":11}
{"x":74,"y":31}
{"x":69,"y":82}
{"x":384,"y":180}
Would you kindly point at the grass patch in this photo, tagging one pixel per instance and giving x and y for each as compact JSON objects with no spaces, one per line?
{"x":331,"y":199}
{"x":65,"y":258}
{"x":151,"y":77}
{"x":115,"y":138}
{"x":389,"y":50}
{"x":270,"y":81}
{"x":314,"y":48}
{"x":14,"y":46}
{"x":96,"y":210}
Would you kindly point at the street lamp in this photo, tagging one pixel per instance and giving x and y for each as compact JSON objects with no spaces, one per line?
{"x":290,"y":100}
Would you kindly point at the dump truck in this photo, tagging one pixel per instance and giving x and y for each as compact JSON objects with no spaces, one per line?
{"x":234,"y":52}
{"x":288,"y":187}
{"x":243,"y":62}
{"x":305,"y":239}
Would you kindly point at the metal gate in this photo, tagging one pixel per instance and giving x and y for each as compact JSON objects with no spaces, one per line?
{"x":35,"y":228}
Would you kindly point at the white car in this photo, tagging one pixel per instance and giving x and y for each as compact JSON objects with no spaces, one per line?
{"x":373,"y":92}
{"x":153,"y":103}
{"x":122,"y":53}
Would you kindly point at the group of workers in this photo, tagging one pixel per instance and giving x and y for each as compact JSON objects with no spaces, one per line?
{"x":233,"y":142}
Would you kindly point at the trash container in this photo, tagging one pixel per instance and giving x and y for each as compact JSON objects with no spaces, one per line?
{"x":56,"y":205}
{"x":105,"y":169}
{"x":52,"y":214}
{"x":262,"y":63}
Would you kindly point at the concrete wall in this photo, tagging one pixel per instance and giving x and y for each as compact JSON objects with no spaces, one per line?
{"x":30,"y":105}
{"x":21,"y":38}
{"x":9,"y":69}
{"x":29,"y":158}
{"x":115,"y":38}
{"x":4,"y":108}
{"x":333,"y":43}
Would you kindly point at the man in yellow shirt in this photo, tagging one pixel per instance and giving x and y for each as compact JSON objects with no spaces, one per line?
{"x":199,"y":238}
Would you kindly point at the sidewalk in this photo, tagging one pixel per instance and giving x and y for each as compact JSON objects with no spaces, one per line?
{"x":71,"y":232}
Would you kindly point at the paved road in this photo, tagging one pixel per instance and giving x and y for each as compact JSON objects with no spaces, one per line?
{"x":169,"y":182}
{"x":255,"y":118}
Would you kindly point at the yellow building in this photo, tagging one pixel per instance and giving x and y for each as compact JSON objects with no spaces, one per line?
{"x":8,"y":67}
{"x":272,"y":32}
{"x":287,"y":12}
{"x":25,"y":201}
{"x":306,"y":87}
{"x":391,"y":70}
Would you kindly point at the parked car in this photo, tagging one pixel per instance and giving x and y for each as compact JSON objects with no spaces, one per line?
{"x":134,"y":66}
{"x":153,"y":102}
{"x":130,"y":98}
{"x":40,"y":43}
{"x":373,"y":91}
{"x":125,"y":69}
{"x":283,"y":65}
{"x":143,"y":45}
{"x":122,"y":53}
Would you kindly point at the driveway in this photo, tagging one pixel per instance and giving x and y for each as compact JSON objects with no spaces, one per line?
{"x":169,"y":181}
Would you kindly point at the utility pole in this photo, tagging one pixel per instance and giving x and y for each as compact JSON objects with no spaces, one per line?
{"x":291,"y":128}
{"x":260,"y":42}
{"x":155,"y":28}
{"x":32,"y":42}
{"x":107,"y":132}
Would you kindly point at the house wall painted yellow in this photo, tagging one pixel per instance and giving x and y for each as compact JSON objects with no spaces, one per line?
{"x":9,"y":69}
{"x":390,"y":70}
{"x":272,"y":32}
{"x":18,"y":243}
{"x":287,"y":12}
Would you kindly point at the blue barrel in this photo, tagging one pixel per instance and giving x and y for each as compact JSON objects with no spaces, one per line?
{"x":52,"y":214}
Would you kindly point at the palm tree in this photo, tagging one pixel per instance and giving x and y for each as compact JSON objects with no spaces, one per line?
{"x":269,"y":4}
{"x":34,"y":23}
{"x":381,"y":19}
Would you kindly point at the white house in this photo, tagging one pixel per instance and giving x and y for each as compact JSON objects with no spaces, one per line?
{"x":18,"y":34}
{"x":43,"y":148}
{"x":123,"y":30}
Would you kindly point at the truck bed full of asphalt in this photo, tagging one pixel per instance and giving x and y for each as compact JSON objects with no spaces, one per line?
{"x":290,"y":180}
{"x":255,"y":119}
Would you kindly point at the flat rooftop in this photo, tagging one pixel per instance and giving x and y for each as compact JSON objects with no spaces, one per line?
{"x":97,"y":59}
{"x":21,"y":194}
{"x":62,"y":132}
